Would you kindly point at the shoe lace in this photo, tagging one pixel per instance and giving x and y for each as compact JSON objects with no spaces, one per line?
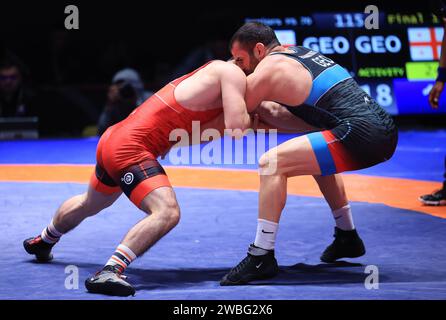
{"x":241,"y":265}
{"x":114,"y":270}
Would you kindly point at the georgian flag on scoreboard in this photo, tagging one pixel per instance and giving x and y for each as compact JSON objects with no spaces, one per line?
{"x":425,"y":43}
{"x":286,"y":37}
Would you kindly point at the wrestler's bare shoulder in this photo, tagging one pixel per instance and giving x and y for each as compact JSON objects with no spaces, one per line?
{"x":279,"y":64}
{"x":225,"y":68}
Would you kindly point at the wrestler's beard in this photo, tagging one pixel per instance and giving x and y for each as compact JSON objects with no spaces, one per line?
{"x":252,"y":65}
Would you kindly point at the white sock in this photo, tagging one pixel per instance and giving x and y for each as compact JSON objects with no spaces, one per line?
{"x":343,"y":218}
{"x":50,"y":234}
{"x":122,"y":257}
{"x":266,"y":234}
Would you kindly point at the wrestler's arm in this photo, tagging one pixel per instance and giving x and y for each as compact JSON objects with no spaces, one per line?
{"x":273,"y":115}
{"x":258,"y":87}
{"x":217,"y":123}
{"x":234,"y":116}
{"x":233,"y":88}
{"x":269,"y":115}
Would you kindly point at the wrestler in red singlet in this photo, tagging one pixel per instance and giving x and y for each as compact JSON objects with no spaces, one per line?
{"x":127,"y":152}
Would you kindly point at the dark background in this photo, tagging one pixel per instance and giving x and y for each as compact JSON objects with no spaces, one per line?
{"x":71,"y":69}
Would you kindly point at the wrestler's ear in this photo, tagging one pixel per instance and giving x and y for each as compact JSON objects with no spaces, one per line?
{"x":259,"y":51}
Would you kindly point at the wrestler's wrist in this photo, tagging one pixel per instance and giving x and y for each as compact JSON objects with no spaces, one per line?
{"x":254,"y":117}
{"x":441,"y":74}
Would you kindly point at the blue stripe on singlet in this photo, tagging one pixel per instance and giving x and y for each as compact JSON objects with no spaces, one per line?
{"x":325,"y":81}
{"x":323,"y":155}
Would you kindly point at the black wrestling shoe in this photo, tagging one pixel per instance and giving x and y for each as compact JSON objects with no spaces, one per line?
{"x":253,"y":267}
{"x":39,"y":248}
{"x":437,"y":198}
{"x":347,"y":244}
{"x":111,"y":282}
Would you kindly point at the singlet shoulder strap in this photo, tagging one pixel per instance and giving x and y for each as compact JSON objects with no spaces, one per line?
{"x":296,"y":51}
{"x":296,"y":55}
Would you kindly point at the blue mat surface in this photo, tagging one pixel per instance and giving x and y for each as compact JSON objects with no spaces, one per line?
{"x":419,"y":155}
{"x":407,"y":247}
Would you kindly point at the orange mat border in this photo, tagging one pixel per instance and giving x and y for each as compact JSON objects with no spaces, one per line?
{"x":394,"y":192}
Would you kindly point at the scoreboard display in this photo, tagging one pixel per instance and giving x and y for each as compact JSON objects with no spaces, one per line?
{"x":395,"y":63}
